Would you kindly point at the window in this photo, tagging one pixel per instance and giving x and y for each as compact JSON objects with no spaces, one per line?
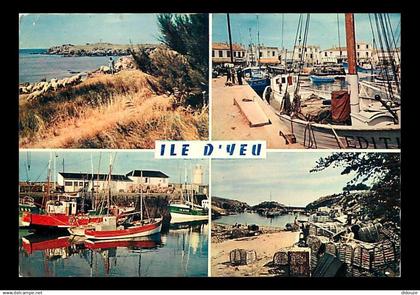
{"x":220,"y":53}
{"x":367,"y":54}
{"x":300,"y":55}
{"x":274,"y":53}
{"x":358,"y":54}
{"x":228,"y":53}
{"x":306,"y":49}
{"x":67,"y":183}
{"x":367,"y":46}
{"x":146,"y":180}
{"x":358,"y":46}
{"x":212,"y":53}
{"x":311,"y":55}
{"x":325,"y":54}
{"x":260,"y":54}
{"x":80,"y":183}
{"x":75,"y":183}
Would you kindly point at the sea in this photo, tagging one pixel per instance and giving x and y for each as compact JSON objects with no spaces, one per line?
{"x":181,"y":251}
{"x":36,"y":64}
{"x":248,"y":218}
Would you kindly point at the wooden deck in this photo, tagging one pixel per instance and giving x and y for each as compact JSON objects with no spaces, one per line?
{"x":233,"y":122}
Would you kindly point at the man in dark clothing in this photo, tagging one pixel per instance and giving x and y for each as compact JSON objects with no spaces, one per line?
{"x":233,"y":76}
{"x":229,"y":76}
{"x":239,"y":75}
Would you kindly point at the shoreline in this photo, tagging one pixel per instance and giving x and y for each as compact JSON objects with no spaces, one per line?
{"x":265,"y":245}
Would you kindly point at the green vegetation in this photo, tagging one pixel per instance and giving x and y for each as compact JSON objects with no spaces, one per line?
{"x":181,"y":67}
{"x":382,"y":170}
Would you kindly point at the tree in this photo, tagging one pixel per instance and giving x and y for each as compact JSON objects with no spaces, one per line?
{"x":383,"y":170}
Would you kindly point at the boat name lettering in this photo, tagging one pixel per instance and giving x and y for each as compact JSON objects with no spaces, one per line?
{"x":360,"y":142}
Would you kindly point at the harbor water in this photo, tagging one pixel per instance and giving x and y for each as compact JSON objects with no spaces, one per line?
{"x":179,"y":252}
{"x":35,"y":65}
{"x":247,"y":218}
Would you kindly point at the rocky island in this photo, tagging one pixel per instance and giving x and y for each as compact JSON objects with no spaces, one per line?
{"x":97,"y":49}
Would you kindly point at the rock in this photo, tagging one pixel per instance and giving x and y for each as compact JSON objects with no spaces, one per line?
{"x":104,"y":69}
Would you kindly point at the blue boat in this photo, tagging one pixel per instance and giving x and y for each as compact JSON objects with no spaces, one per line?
{"x":360,"y":69}
{"x":256,"y":78}
{"x":321,"y":79}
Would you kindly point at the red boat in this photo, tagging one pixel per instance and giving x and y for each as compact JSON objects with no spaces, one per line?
{"x":108,"y":229}
{"x":60,"y":212}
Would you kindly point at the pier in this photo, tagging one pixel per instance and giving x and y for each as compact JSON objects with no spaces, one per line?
{"x":232,"y":123}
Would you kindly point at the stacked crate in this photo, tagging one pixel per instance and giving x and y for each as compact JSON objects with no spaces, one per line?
{"x":331,"y":248}
{"x":242,"y":257}
{"x":299,"y":262}
{"x":363,"y":256}
{"x":345,"y":253}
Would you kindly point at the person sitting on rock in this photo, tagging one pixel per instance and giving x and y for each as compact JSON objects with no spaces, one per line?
{"x":111,"y":65}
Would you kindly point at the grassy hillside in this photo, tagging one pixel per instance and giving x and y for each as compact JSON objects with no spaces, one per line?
{"x":125,"y":110}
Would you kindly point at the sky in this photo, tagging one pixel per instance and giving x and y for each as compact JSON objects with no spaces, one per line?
{"x":323,"y":28}
{"x":125,"y":161}
{"x":283,"y":174}
{"x":47,"y":30}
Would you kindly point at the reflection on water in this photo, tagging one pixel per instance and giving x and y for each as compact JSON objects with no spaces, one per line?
{"x":254,"y":218}
{"x":179,"y":252}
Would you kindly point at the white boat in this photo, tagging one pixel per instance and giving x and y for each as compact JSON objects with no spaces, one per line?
{"x":374,"y":114}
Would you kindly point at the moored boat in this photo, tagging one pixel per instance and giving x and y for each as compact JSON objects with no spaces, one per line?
{"x":321,"y":79}
{"x":108,"y":229}
{"x":181,"y":213}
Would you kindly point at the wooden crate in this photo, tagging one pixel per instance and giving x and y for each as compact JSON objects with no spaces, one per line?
{"x":242,"y":257}
{"x":299,"y":262}
{"x":345,"y":252}
{"x":281,"y":258}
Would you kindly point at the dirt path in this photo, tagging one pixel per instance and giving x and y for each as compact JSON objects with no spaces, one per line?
{"x":87,"y":127}
{"x":265,"y":245}
{"x":229,"y":123}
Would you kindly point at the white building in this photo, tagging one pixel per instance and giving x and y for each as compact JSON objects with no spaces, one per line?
{"x":148,"y":177}
{"x":73,"y":182}
{"x":339,"y":54}
{"x":269,"y":55}
{"x":220,"y":53}
{"x":131,"y":182}
{"x":310,"y":53}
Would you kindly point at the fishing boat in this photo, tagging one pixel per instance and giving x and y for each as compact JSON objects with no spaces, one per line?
{"x":362,"y":71}
{"x":187,"y":210}
{"x":108,"y":229}
{"x":321,"y":79}
{"x":374,"y":115}
{"x":27,"y":204}
{"x":60,"y":212}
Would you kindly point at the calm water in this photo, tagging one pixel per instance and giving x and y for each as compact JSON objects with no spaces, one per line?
{"x":254,"y":218}
{"x":177,"y":253}
{"x":35,"y":64}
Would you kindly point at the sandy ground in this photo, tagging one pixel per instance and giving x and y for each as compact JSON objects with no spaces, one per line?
{"x":228,"y":123}
{"x":265,"y":245}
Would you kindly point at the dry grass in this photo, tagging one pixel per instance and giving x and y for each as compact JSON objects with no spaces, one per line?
{"x":120,"y":111}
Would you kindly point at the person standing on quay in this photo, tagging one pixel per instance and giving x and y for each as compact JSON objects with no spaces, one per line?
{"x":239,"y":75}
{"x":229,"y":76}
{"x":111,"y":65}
{"x":233,"y":76}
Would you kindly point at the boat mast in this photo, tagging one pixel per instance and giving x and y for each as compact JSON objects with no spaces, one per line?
{"x":352,"y":78}
{"x":258,"y":40}
{"x":141,"y":195}
{"x":230,"y":38}
{"x":109,"y":184}
{"x":47,"y":193}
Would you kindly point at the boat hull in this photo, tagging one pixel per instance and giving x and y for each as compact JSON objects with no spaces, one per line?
{"x":131,"y":232}
{"x":181,"y":218}
{"x":258,"y":84}
{"x":58,"y":220}
{"x":322,"y":136}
